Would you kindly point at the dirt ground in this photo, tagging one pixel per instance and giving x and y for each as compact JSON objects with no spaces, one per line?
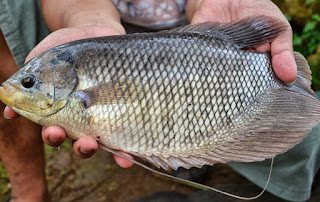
{"x":99,"y":178}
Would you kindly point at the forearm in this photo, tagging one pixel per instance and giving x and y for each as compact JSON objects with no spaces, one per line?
{"x":77,"y":19}
{"x":79,"y":13}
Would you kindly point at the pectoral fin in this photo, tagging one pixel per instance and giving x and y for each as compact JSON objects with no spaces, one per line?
{"x":113,"y":92}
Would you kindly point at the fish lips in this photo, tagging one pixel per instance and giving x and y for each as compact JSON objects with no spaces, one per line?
{"x":6,"y":94}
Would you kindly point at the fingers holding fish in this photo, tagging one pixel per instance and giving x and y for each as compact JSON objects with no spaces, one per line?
{"x":53,"y":135}
{"x":283,"y":62}
{"x":85,"y":147}
{"x":124,"y":163}
{"x":9,"y":113}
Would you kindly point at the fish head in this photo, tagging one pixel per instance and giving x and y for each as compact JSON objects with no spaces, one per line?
{"x":41,"y":88}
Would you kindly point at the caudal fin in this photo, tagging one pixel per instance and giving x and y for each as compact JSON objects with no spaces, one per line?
{"x":303,"y":82}
{"x":280,"y":119}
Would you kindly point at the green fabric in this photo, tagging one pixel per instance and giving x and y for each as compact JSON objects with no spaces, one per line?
{"x":292,"y":172}
{"x":22,"y":25}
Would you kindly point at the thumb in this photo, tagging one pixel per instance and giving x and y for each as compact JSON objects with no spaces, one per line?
{"x":9,"y":113}
{"x":283,"y":61}
{"x":65,"y":35}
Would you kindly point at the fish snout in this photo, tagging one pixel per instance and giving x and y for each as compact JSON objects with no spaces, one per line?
{"x":6,"y":92}
{"x":8,"y":89}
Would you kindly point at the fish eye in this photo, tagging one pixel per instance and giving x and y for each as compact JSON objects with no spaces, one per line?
{"x":28,"y":81}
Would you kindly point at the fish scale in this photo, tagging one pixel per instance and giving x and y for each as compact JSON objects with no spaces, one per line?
{"x":189,"y":120}
{"x":190,"y":96}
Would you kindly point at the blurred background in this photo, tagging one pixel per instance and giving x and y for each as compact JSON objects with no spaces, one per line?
{"x":304,"y":17}
{"x":99,"y":178}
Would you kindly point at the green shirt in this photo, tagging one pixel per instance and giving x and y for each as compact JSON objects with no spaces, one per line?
{"x":22,"y":25}
{"x":292,"y":173}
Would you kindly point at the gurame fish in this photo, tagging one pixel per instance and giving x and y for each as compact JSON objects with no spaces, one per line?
{"x":185,"y":97}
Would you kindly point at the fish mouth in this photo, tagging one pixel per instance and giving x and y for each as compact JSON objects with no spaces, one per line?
{"x":6,"y":94}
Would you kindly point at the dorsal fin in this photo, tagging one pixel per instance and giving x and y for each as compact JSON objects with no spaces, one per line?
{"x":246,"y":33}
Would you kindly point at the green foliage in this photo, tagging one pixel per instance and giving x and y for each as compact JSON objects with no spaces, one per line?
{"x":308,"y":43}
{"x":308,"y":2}
{"x":3,"y":173}
{"x":315,"y":69}
{"x":5,"y":186}
{"x":67,"y":145}
{"x":289,"y":18}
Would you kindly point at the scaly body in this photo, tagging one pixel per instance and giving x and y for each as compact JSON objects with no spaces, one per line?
{"x":186,"y":94}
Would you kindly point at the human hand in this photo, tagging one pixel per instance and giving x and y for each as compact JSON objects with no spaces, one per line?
{"x":80,"y":26}
{"x":54,"y":135}
{"x":84,"y":147}
{"x":223,"y":11}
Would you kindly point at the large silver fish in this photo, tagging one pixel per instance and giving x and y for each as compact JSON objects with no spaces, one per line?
{"x":190,"y":96}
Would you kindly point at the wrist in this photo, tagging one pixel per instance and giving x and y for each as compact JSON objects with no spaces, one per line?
{"x":67,"y":14}
{"x":191,"y":8}
{"x":85,"y":19}
{"x":78,"y":17}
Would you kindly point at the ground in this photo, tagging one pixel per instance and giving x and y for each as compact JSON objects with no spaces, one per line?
{"x":99,"y":178}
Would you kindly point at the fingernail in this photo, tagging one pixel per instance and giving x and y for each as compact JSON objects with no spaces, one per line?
{"x":6,"y":117}
{"x":54,"y":140}
{"x":84,"y":151}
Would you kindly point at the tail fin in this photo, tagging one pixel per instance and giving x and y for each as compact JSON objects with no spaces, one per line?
{"x":280,"y":119}
{"x":303,"y":82}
